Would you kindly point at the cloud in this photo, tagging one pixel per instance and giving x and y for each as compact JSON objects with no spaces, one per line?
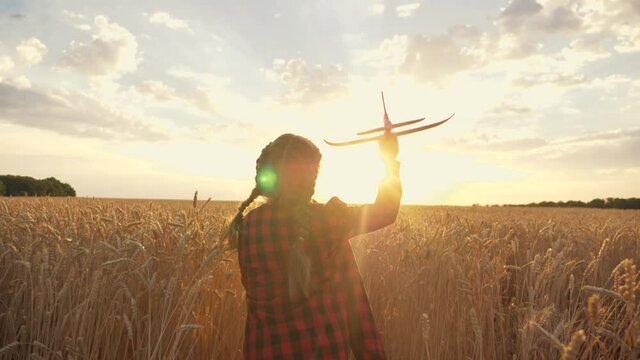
{"x":21,"y":82}
{"x":606,"y":15}
{"x":6,"y":64}
{"x":512,"y":16}
{"x":234,"y":133}
{"x":563,"y":68}
{"x":562,"y":19}
{"x":505,"y":108}
{"x":434,"y":58}
{"x":164,"y":18}
{"x":407,"y":10}
{"x":200,"y":99}
{"x":205,"y":85}
{"x":73,"y":15}
{"x":564,"y":80}
{"x":17,"y":16}
{"x":513,"y":46}
{"x":601,"y":136}
{"x":111,"y":52}
{"x":71,"y":113}
{"x":628,"y":39}
{"x":31,"y":51}
{"x":530,"y":16}
{"x":83,"y":27}
{"x":484,"y":142}
{"x":390,"y":54}
{"x":308,"y":84}
{"x":587,"y":153}
{"x":584,"y":153}
{"x":516,"y":44}
{"x":182,"y":72}
{"x":156,"y":90}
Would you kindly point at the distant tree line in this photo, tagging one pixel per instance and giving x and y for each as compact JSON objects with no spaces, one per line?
{"x":608,"y":203}
{"x":12,"y":185}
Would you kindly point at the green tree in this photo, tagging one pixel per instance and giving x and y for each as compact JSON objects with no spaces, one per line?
{"x":2,"y":188}
{"x":28,"y":186}
{"x":596,"y":203}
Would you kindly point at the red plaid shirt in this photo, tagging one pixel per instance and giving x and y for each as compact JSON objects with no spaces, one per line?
{"x":336,"y":318}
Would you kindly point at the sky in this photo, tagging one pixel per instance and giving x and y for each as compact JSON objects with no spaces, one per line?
{"x":158,"y":99}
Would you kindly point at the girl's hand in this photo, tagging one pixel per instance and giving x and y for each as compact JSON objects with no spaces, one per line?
{"x":388,"y":146}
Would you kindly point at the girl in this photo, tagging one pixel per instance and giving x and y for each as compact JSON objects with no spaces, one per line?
{"x":305,"y":297}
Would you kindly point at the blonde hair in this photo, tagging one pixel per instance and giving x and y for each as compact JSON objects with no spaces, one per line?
{"x":286,"y":149}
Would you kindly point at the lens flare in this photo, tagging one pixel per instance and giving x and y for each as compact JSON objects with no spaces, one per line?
{"x":267,"y":179}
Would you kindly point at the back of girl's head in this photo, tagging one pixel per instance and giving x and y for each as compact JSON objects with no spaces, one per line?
{"x":286,"y":171}
{"x":287,"y":168}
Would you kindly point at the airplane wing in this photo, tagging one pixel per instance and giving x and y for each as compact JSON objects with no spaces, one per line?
{"x":399,"y":133}
{"x":405,"y":123}
{"x":352,"y":142}
{"x":432,"y":125}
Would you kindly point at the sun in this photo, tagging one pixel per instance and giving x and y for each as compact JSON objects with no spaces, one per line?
{"x":351,"y":173}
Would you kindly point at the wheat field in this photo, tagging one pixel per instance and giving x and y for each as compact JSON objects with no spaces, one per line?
{"x":140,"y":279}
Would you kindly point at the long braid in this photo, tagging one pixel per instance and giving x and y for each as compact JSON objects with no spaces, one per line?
{"x":232,"y":233}
{"x":299,"y":263}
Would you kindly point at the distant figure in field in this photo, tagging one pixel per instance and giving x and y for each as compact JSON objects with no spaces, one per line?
{"x":305,"y":296}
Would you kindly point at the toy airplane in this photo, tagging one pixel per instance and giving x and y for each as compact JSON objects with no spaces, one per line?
{"x":387,"y":128}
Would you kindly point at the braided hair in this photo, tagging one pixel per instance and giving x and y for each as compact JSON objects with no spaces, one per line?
{"x":286,"y":171}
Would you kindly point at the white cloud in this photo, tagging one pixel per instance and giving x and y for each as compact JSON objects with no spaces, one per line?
{"x":31,"y":51}
{"x":20,"y":82}
{"x":407,"y":10}
{"x":511,"y":17}
{"x":510,"y":45}
{"x":156,"y":89}
{"x":583,"y":50}
{"x":434,"y":58}
{"x":616,"y":148}
{"x":200,"y":98}
{"x":550,"y":78}
{"x":391,"y":53}
{"x":164,"y":18}
{"x":72,"y":113}
{"x":6,"y":64}
{"x":531,"y":16}
{"x":211,"y":80}
{"x":73,"y":15}
{"x":205,"y":85}
{"x":628,"y":38}
{"x":584,"y":153}
{"x":562,"y":19}
{"x":307,"y":84}
{"x":111,"y":52}
{"x":83,"y":27}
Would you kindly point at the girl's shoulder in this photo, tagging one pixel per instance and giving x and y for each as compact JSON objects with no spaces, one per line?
{"x":335,"y":204}
{"x":332,"y":209}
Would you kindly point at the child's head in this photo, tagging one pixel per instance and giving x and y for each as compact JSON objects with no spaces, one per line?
{"x":286,"y":172}
{"x":287,"y":169}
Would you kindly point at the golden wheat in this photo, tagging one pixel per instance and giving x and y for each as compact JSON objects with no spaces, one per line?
{"x":139,"y":279}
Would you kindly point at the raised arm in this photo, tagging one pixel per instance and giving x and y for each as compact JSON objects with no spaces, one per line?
{"x":366,"y":218}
